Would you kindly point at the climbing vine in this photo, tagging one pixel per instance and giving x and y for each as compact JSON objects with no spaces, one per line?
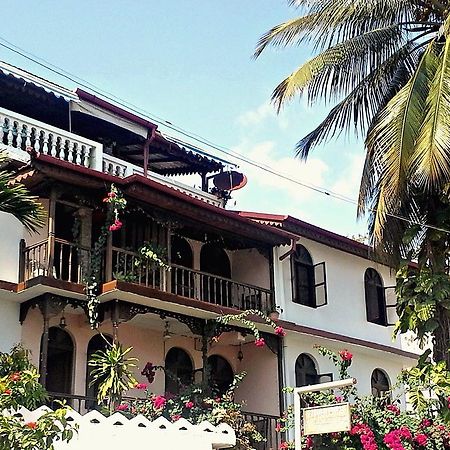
{"x":116,"y":204}
{"x":243,"y":319}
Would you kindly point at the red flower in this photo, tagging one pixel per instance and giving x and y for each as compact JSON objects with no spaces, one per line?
{"x":31,"y":425}
{"x":159,"y":402}
{"x":122,"y":407}
{"x":425,"y":423}
{"x":279,"y":331}
{"x":176,"y":417}
{"x":309,"y":442}
{"x":393,"y":408}
{"x":8,"y":392}
{"x":284,"y":445}
{"x":260,"y":342}
{"x":15,"y":376}
{"x":217,"y":399}
{"x":141,"y":386}
{"x":345,"y":355}
{"x":338,"y":398}
{"x":189,"y":405}
{"x":117,"y":225}
{"x":278,"y":427}
{"x":421,"y":439}
{"x":112,"y":195}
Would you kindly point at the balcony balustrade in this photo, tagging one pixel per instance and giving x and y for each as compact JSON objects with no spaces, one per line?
{"x":19,"y":133}
{"x":69,"y":262}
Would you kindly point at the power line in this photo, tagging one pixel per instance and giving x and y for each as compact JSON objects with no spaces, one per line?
{"x":198,"y":138}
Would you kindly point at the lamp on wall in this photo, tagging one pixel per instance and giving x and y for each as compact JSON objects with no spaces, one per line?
{"x":166,"y":334}
{"x":240,"y":355}
{"x":62,"y":321}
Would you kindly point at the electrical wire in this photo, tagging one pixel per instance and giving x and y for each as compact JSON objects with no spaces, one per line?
{"x":197,"y":138}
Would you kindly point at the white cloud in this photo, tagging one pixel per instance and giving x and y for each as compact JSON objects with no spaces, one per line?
{"x":348,"y":181}
{"x":264,"y":188}
{"x":253,"y":118}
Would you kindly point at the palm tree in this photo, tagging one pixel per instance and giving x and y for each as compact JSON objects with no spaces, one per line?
{"x":16,"y":200}
{"x":385,"y":65}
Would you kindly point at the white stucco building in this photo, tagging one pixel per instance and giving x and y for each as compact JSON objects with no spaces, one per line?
{"x":68,"y":148}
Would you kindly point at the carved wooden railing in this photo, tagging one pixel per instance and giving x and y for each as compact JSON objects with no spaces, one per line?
{"x":127,"y":266}
{"x":219,"y":290}
{"x":18,"y":132}
{"x":56,"y":258}
{"x":266,"y":425}
{"x":67,"y":261}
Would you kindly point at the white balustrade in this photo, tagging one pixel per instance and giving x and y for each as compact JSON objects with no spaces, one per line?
{"x":118,"y":432}
{"x":19,"y":133}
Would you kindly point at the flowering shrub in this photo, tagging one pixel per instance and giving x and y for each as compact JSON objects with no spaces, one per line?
{"x":377,"y":423}
{"x":197,"y":404}
{"x":19,"y":386}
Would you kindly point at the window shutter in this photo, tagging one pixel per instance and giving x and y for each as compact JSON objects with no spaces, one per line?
{"x":391,"y":305}
{"x":320,"y":278}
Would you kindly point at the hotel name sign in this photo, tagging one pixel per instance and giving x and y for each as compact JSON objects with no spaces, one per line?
{"x":326,"y":419}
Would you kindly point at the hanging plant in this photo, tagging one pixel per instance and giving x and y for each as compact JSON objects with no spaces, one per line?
{"x":250,"y":324}
{"x":152,"y":255}
{"x":116,"y":205}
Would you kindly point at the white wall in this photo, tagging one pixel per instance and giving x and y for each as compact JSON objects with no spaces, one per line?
{"x":365,"y":360}
{"x":345,"y":312}
{"x":10,"y":328}
{"x":12,"y":233}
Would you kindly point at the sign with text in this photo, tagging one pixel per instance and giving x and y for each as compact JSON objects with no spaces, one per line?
{"x":326,"y":419}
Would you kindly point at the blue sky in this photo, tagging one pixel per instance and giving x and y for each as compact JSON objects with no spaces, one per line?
{"x":189,"y":61}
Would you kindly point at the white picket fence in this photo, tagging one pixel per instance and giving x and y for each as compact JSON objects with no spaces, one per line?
{"x":117,"y":432}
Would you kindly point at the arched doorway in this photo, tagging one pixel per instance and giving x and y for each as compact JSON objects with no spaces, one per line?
{"x":178,"y":370}
{"x":379,"y":383}
{"x":97,"y":343}
{"x":181,"y":256}
{"x":305,"y":371}
{"x":221,"y":373}
{"x":60,"y":355}
{"x":214,"y":260}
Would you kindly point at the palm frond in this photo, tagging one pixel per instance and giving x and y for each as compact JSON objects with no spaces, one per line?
{"x":328,"y":22}
{"x":362,"y":104}
{"x":431,"y":158}
{"x":390,"y":144}
{"x":16,"y":200}
{"x":339,"y":69}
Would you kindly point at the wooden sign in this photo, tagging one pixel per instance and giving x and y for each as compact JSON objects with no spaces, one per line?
{"x":326,"y":419}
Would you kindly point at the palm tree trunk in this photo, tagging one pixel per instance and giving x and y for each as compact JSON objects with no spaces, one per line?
{"x":441,"y":337}
{"x":436,"y":250}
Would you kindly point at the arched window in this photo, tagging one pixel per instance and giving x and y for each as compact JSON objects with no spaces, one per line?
{"x":214,"y":260}
{"x":375,"y":298}
{"x":303,"y":283}
{"x":97,"y":343}
{"x":59,"y":361}
{"x":181,"y":252}
{"x":221,"y":373}
{"x":181,"y":255}
{"x":379,"y":383}
{"x":305,"y":371}
{"x":178,"y":369}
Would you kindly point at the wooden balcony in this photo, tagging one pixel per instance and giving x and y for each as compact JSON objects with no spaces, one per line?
{"x":64,"y":260}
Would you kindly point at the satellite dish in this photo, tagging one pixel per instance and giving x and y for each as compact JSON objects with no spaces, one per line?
{"x":229,"y":181}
